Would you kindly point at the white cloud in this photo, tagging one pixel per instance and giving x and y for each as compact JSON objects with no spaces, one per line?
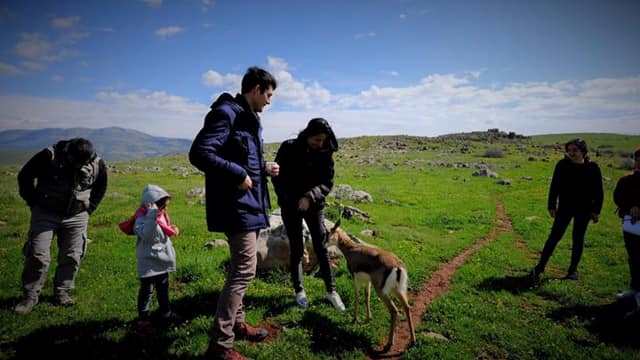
{"x":294,"y":92}
{"x":369,"y":34}
{"x":169,"y":31}
{"x":391,"y":72}
{"x":9,"y":70}
{"x":153,"y":3}
{"x":403,"y":16}
{"x":208,"y":4}
{"x":57,"y":78}
{"x":64,"y":22}
{"x":33,"y":46}
{"x":157,"y":113}
{"x":432,"y":105}
{"x":215,"y":79}
{"x":37,"y":49}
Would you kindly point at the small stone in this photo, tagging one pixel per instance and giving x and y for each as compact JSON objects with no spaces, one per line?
{"x":216,"y":243}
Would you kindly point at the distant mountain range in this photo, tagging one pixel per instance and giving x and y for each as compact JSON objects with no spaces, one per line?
{"x":112,"y":143}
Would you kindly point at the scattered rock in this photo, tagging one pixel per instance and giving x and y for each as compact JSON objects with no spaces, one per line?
{"x":346,"y":192}
{"x":531,"y":218}
{"x":485,"y":172}
{"x":349,"y":212}
{"x":216,"y":244}
{"x":368,"y":232}
{"x":196,"y":192}
{"x":391,"y":202}
{"x":3,"y":223}
{"x":528,"y":178}
{"x":503,"y":182}
{"x":436,"y":336}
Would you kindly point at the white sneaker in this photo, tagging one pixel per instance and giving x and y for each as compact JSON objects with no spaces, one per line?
{"x":301,"y":299}
{"x":335,"y":300}
{"x":625,"y":294}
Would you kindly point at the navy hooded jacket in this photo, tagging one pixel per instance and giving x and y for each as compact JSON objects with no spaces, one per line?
{"x":227,"y":149}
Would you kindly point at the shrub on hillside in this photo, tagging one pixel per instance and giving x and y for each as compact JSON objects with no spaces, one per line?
{"x":494,"y":153}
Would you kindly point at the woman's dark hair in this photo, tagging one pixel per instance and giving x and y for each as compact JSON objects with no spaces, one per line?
{"x":81,"y":150}
{"x":320,"y":126}
{"x":580,"y":144}
{"x":636,"y":154}
{"x":257,"y":76}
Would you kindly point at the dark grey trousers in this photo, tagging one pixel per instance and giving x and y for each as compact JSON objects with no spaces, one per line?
{"x":560,"y":224}
{"x":314,"y":218}
{"x":72,"y":244}
{"x":145,"y":293}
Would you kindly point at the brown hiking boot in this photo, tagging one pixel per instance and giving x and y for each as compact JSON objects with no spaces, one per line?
{"x":244,"y":331}
{"x":221,"y":353}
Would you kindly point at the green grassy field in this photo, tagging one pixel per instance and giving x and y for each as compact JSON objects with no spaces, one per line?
{"x":424,"y":210}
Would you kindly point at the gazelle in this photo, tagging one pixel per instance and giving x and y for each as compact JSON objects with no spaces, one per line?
{"x":369,"y":265}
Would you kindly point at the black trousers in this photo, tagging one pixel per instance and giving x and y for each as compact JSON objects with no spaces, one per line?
{"x":632,"y":243}
{"x":560,"y":224}
{"x":314,"y":218}
{"x":161,"y":284}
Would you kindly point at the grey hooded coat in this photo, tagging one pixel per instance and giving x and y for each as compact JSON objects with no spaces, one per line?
{"x":154,"y":250}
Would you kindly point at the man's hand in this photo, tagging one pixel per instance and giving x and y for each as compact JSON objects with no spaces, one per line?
{"x":272,"y":168}
{"x":303,"y":204}
{"x":595,"y":217}
{"x":246,"y":184}
{"x":552,"y":213}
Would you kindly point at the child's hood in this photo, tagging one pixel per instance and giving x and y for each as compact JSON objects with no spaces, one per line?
{"x":153,"y":193}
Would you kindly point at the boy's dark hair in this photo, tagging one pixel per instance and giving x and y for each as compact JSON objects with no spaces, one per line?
{"x":257,"y":76}
{"x":81,"y":150}
{"x":636,"y":154}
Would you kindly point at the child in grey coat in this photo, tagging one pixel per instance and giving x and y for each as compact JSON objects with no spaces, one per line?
{"x":155,"y":254}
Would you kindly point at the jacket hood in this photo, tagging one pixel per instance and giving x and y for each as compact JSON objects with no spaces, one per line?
{"x":153,"y":193}
{"x":319,"y":126}
{"x":225,"y":97}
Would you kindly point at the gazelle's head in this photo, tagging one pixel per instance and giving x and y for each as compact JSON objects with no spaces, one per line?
{"x":337,"y":236}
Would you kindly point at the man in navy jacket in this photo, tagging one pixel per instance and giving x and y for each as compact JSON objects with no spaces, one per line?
{"x":228,"y":150}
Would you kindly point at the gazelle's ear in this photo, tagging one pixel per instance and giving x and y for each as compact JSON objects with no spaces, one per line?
{"x":336,"y":225}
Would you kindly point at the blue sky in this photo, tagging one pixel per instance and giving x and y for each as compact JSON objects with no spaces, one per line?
{"x":369,"y":67}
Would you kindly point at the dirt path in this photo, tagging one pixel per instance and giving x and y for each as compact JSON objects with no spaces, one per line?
{"x":438,"y":284}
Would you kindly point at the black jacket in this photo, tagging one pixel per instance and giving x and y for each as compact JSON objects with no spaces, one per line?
{"x":61,"y":188}
{"x":576,"y":187}
{"x":227,"y":149}
{"x":627,"y":193}
{"x":303,"y":173}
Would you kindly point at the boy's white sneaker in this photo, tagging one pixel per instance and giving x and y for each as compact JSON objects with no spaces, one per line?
{"x":335,"y":300}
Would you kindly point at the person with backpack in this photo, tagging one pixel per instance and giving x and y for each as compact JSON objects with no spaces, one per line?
{"x":62,"y":185}
{"x":305,"y":179}
{"x":228,"y":149}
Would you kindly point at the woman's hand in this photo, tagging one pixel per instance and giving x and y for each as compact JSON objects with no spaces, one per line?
{"x":272,"y":168}
{"x":176,"y":230}
{"x":303,"y":204}
{"x":552,"y":213}
{"x":595,"y":217}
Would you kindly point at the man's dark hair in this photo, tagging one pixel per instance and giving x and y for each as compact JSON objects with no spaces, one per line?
{"x":257,"y":76}
{"x":81,"y":150}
